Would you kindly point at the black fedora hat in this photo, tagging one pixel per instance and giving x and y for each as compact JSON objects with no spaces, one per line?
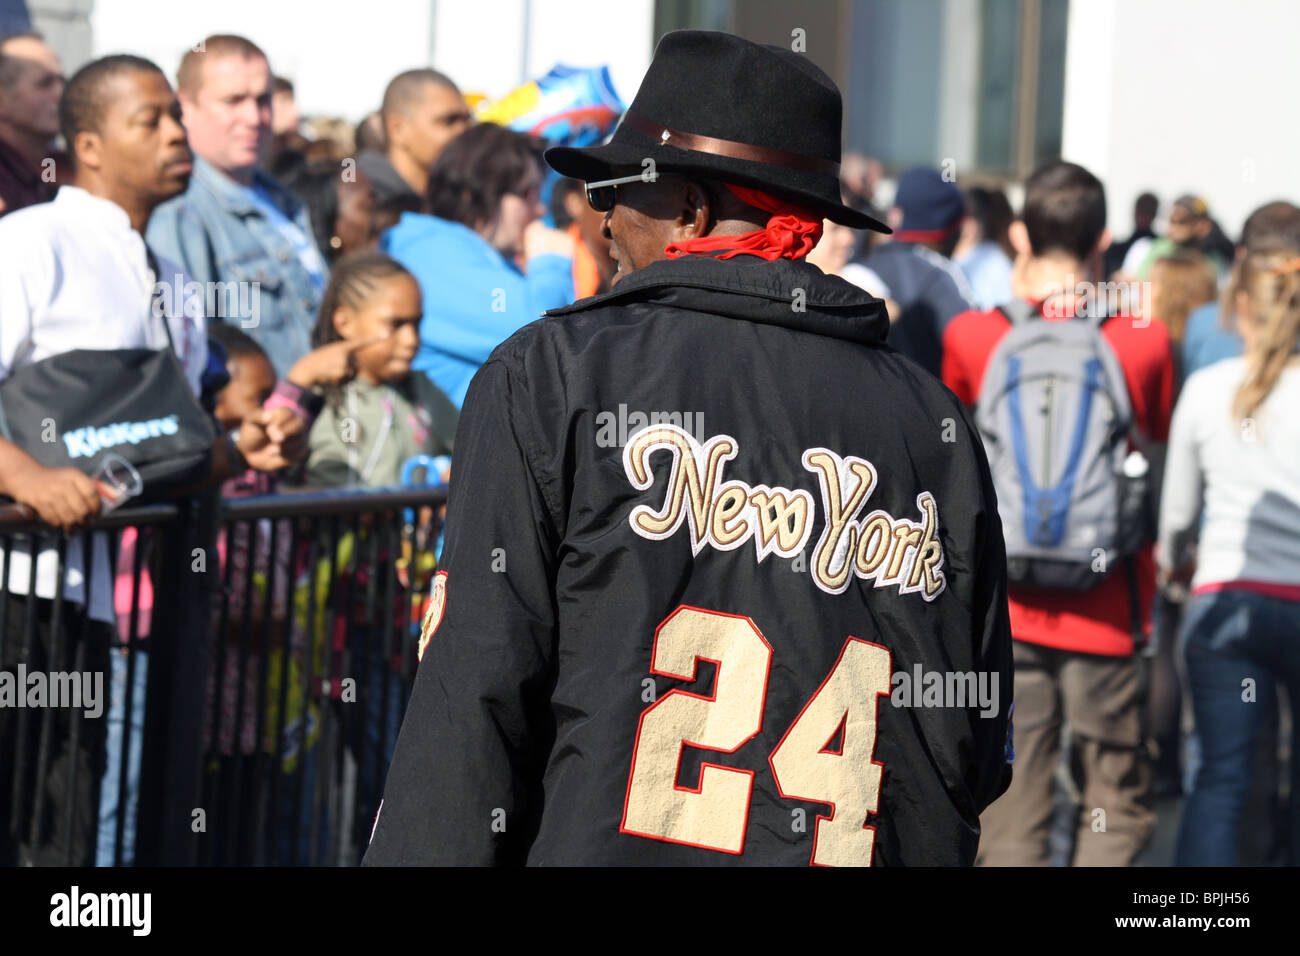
{"x":726,"y":108}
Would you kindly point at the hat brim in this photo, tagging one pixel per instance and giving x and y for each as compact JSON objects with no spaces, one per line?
{"x":594,"y":163}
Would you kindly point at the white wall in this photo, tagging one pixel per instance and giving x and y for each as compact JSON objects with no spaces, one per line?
{"x":1185,"y":96}
{"x":340,"y":54}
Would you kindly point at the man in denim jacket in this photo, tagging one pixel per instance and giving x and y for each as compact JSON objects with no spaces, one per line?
{"x":235,"y":231}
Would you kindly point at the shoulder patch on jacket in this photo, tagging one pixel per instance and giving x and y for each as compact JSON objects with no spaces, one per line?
{"x":432,"y":616}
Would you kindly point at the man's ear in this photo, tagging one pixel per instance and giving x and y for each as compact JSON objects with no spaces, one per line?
{"x":894,"y":219}
{"x":189,"y":106}
{"x":395,"y":129}
{"x":1103,"y":241}
{"x":87,"y":147}
{"x":694,"y":212}
{"x":1018,"y":235}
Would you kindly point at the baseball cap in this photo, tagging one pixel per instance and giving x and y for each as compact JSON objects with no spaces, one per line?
{"x":1194,"y":206}
{"x":932,"y":208}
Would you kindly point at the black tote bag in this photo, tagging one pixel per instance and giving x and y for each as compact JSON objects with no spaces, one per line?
{"x":72,"y":409}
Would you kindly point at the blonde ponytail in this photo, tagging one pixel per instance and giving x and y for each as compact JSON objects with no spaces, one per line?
{"x":1271,"y":280}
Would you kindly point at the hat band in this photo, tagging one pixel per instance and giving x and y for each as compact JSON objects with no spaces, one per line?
{"x":729,"y":148}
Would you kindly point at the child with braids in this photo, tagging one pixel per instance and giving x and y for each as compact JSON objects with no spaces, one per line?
{"x":1234,"y":455}
{"x":371,"y":424}
{"x":386,"y":414}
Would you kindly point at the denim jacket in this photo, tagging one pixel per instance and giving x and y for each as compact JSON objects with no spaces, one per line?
{"x":218,"y":235}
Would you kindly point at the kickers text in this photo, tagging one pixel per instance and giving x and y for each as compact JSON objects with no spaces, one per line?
{"x":725,"y":513}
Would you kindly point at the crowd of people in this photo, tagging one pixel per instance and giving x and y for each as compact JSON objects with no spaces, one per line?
{"x":353,"y":281}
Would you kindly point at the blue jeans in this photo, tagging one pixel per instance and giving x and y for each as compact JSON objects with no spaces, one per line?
{"x":108,"y":791}
{"x":1239,"y":646}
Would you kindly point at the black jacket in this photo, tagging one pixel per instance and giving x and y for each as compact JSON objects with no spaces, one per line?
{"x":540,"y":731}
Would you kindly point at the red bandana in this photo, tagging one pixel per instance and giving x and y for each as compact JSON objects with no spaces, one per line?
{"x":791,"y":233}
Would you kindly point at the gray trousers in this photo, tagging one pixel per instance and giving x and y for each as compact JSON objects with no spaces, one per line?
{"x":1100,"y":700}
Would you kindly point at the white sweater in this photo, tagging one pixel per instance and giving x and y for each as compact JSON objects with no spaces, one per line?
{"x":1247,"y":476}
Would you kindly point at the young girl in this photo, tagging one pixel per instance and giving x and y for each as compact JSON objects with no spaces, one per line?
{"x":369,"y":428}
{"x":371,"y":425}
{"x":1234,"y":455}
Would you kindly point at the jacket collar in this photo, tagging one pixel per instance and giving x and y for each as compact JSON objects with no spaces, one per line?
{"x":234,"y":198}
{"x":790,"y":293}
{"x":388,"y":182}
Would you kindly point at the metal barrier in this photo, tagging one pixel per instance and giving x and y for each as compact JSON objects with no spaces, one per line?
{"x":277,"y":639}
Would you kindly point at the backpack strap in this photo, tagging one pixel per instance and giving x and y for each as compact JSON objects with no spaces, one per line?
{"x":1018,"y":312}
{"x":167,"y":326}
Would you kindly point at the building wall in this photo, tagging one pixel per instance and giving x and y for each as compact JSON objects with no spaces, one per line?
{"x":65,"y":24}
{"x":1185,"y":96}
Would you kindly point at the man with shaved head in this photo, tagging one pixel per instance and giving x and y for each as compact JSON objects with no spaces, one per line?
{"x":31,"y":80}
{"x":235,"y":225}
{"x":422,"y":112}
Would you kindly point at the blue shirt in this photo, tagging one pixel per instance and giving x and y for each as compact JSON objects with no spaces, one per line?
{"x":988,"y":269}
{"x":474,"y":297}
{"x":1205,"y":341}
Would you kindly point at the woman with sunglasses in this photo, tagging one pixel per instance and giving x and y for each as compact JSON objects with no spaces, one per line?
{"x":483,"y":204}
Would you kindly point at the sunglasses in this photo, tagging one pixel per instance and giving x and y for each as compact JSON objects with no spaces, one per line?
{"x":462,"y":118}
{"x":601,"y":195}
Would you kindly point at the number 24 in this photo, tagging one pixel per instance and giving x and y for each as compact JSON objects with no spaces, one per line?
{"x":714,"y":815}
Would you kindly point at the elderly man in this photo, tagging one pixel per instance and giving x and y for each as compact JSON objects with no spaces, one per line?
{"x":236,"y":229}
{"x":31,"y":80}
{"x":75,"y":273}
{"x":699,"y":527}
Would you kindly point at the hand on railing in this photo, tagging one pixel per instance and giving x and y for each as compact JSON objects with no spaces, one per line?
{"x":61,"y":497}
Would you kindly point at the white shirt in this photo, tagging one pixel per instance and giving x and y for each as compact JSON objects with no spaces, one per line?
{"x":1244,"y":476}
{"x":1136,"y":255}
{"x":865,"y":278}
{"x":74,"y":275}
